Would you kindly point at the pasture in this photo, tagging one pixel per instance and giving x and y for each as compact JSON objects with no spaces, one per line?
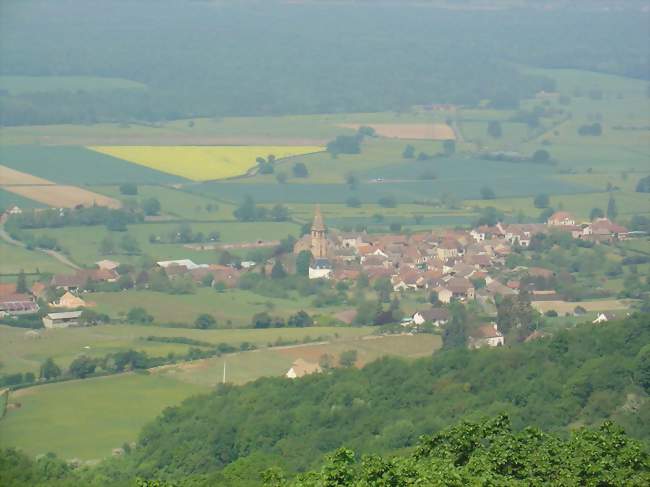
{"x":413,"y":131}
{"x":86,"y":419}
{"x":23,"y":354}
{"x":78,"y":166}
{"x":13,"y":259}
{"x":8,"y":199}
{"x":199,"y":163}
{"x":83,"y":243}
{"x":177,"y":203}
{"x":563,"y":307}
{"x":236,"y":306}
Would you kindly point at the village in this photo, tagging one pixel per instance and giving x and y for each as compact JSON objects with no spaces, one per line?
{"x":449,"y":265}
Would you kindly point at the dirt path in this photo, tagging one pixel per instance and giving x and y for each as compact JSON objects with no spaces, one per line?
{"x":52,"y":253}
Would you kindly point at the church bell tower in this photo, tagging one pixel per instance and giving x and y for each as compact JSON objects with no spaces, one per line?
{"x":318,"y":237}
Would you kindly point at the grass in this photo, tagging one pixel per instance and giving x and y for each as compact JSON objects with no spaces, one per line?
{"x":13,"y":259}
{"x":236,"y":305}
{"x":177,"y":203}
{"x":82,"y":243}
{"x":22,"y":354}
{"x":78,"y":166}
{"x":202,"y":163}
{"x":18,"y":85}
{"x":87,"y":419}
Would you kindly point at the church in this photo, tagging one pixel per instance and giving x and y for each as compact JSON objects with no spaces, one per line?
{"x":317,"y":243}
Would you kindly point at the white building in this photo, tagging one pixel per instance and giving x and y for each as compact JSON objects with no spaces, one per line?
{"x":320,"y":269}
{"x":61,"y":320}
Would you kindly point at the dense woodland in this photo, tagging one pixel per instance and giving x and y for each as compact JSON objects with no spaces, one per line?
{"x":577,"y":377}
{"x":207,"y":59}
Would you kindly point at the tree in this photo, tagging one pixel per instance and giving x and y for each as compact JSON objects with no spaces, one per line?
{"x":82,"y":367}
{"x":542,"y":201}
{"x":642,"y":374}
{"x":151,"y":206}
{"x":107,"y":245}
{"x":612,"y":211}
{"x":384,"y":288}
{"x":302,"y":263}
{"x":130,"y":189}
{"x":449,"y":146}
{"x":205,"y":322}
{"x":455,"y":333}
{"x":247,"y":211}
{"x":345,"y":144}
{"x":494,"y":129}
{"x":395,"y":227}
{"x":487,"y":193}
{"x":387,"y":201}
{"x":366,"y":131}
{"x":352,"y":180}
{"x":353,"y":202}
{"x":596,"y":213}
{"x":21,"y":283}
{"x":348,"y":358}
{"x":279,"y":213}
{"x":299,"y":170}
{"x":49,"y":370}
{"x":138,"y":315}
{"x":541,"y":156}
{"x":409,"y":152}
{"x":129,"y":244}
{"x":643,"y":186}
{"x":278,"y":272}
{"x":300,"y":320}
{"x":489,"y":216}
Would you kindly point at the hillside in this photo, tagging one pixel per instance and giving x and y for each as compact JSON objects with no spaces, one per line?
{"x":576,"y":378}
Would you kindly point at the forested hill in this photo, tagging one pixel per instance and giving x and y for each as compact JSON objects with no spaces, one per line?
{"x":170,"y":59}
{"x":577,"y":377}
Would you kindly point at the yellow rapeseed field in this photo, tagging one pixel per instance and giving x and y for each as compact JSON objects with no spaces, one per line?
{"x":201,"y":163}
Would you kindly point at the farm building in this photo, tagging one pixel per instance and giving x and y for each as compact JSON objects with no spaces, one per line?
{"x":69,"y":300}
{"x":301,"y":368}
{"x":436,"y":316}
{"x":17,"y":304}
{"x":486,"y":335}
{"x":62,"y":320}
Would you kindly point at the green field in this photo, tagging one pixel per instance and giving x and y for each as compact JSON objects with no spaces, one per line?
{"x":13,"y":259}
{"x":18,"y":85}
{"x":78,"y":165}
{"x":82,"y":243}
{"x":22,"y":354}
{"x":105,"y":412}
{"x":176,"y":203}
{"x":87,"y":419}
{"x":236,"y":305}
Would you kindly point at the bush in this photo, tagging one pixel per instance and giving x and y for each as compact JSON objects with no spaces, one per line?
{"x":129,"y":189}
{"x":138,"y":315}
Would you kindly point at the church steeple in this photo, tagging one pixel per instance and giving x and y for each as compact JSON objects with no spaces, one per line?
{"x":318,"y":238}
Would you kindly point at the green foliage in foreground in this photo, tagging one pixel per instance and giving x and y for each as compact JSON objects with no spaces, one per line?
{"x":489,"y":453}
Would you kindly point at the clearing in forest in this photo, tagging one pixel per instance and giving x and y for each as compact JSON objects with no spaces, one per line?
{"x":202,"y":163}
{"x":424,"y":131}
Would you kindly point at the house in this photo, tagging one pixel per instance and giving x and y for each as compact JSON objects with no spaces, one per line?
{"x":461,"y":288}
{"x":38,"y":289}
{"x":561,"y":219}
{"x":62,"y":320}
{"x":603,"y":317}
{"x":187,"y":263}
{"x":17,"y":304}
{"x":14,"y":210}
{"x":603,"y":230}
{"x":108,"y":265}
{"x":69,"y":282}
{"x":301,"y":368}
{"x":486,"y":335}
{"x":320,"y":269}
{"x":435,"y":316}
{"x":444,"y":294}
{"x":69,"y":300}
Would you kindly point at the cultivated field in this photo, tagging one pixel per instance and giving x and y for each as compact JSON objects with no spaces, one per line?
{"x":10,"y":176}
{"x":563,"y":307}
{"x":415,"y":131}
{"x":60,"y":196}
{"x":199,"y":163}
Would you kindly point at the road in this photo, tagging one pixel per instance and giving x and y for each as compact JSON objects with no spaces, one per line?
{"x":52,"y":253}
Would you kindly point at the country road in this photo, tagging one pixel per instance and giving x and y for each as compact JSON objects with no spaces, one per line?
{"x":52,"y":253}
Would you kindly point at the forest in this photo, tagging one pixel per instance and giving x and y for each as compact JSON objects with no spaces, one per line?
{"x":213,"y":60}
{"x":579,"y":377}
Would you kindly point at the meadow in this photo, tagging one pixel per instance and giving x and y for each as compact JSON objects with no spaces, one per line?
{"x":202,"y":163}
{"x":87,"y":419}
{"x":236,"y":306}
{"x":82,"y":244}
{"x":109,"y":411}
{"x":23,"y":354}
{"x":9,"y":199}
{"x":13,"y":259}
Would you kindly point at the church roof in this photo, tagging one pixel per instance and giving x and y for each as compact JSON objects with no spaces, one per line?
{"x":318,"y":224}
